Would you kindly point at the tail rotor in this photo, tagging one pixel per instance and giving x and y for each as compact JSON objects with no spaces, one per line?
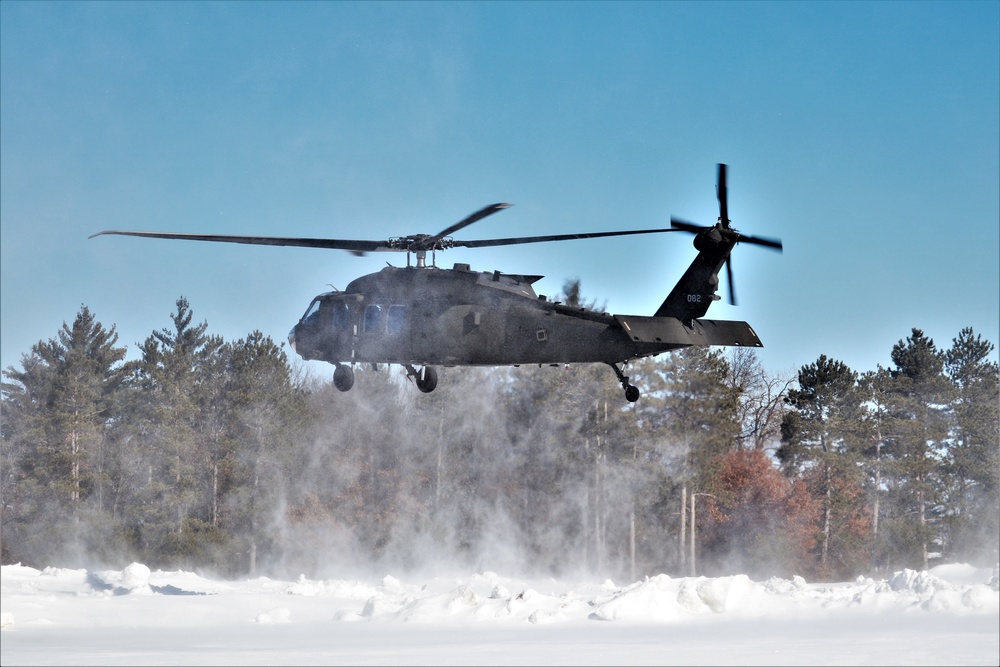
{"x":724,"y":229}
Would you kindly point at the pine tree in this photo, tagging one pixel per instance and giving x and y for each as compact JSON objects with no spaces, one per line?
{"x":974,"y":455}
{"x":264,"y":413}
{"x":698,"y":422}
{"x":57,"y":412}
{"x":175,"y":431}
{"x":821,"y":441}
{"x":877,"y":427}
{"x":701,"y":405}
{"x":921,"y":398}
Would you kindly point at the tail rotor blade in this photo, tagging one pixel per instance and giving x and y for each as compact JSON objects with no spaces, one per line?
{"x":723,"y":197}
{"x":760,"y":240}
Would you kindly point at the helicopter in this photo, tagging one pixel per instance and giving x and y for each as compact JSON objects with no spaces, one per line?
{"x":424,"y":316}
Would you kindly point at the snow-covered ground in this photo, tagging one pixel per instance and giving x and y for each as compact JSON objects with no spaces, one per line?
{"x":949,"y":616}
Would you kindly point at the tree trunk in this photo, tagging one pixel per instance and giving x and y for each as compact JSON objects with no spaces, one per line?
{"x":694,"y":571}
{"x":215,"y":493}
{"x":922,"y":514}
{"x":878,"y":495}
{"x":827,"y":502}
{"x":440,"y":463}
{"x":74,"y":446}
{"x":599,"y":515}
{"x":631,"y":543}
{"x":683,"y":540}
{"x":587,"y":509}
{"x":253,"y":520}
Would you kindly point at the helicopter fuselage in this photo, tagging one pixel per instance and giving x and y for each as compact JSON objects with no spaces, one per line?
{"x":459,"y":317}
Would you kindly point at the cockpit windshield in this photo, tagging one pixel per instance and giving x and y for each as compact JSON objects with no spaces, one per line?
{"x":326,"y":311}
{"x":312,"y":312}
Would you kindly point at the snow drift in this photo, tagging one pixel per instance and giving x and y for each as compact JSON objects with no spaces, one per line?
{"x":78,"y":607}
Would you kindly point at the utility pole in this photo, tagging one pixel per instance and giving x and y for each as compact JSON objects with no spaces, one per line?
{"x":693,"y":533}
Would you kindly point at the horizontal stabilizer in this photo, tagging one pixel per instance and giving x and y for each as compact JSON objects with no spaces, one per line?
{"x":670,"y":330}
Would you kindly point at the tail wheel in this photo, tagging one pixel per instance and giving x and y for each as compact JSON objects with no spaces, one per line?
{"x":343,"y":378}
{"x":631,"y":391}
{"x":427,"y":379}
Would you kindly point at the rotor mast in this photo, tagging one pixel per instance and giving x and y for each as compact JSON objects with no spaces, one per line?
{"x":421,"y":258}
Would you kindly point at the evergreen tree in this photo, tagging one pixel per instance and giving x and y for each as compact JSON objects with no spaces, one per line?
{"x":57,"y":412}
{"x":921,"y":398}
{"x":701,"y":405}
{"x":254,"y":459}
{"x":696,"y":420}
{"x":821,"y":441}
{"x":974,"y":456}
{"x":877,"y":427}
{"x":174,"y":429}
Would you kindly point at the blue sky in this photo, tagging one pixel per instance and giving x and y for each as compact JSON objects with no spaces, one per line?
{"x":865,"y":135}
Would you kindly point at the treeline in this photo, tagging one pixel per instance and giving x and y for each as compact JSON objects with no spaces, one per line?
{"x":224,"y":456}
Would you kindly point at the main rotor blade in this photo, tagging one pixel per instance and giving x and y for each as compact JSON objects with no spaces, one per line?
{"x":729,"y":277}
{"x":557,"y":237}
{"x":359,"y":246}
{"x":338,"y":244}
{"x":723,"y":195}
{"x":685,"y":226}
{"x":475,"y":217}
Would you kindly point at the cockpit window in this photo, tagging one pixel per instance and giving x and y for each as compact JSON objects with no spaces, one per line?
{"x":341,"y":316}
{"x":312,"y":313}
{"x":373,"y":318}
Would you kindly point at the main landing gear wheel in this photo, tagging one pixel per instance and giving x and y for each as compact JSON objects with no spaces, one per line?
{"x":426,"y":378}
{"x":631,"y":391}
{"x":343,"y":377}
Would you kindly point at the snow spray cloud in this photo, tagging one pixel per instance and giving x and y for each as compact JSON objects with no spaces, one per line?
{"x":538,"y":471}
{"x":394,"y":478}
{"x":497,"y":469}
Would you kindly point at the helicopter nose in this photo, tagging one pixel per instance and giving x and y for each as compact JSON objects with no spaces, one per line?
{"x":291,"y":339}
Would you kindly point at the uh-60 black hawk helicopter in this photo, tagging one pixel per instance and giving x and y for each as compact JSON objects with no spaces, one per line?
{"x":426,"y":316}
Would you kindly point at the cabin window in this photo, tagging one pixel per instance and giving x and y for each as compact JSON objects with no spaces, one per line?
{"x":373,"y":318}
{"x":395,"y":319}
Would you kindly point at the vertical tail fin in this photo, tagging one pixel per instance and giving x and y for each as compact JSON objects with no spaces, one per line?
{"x":698,"y":287}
